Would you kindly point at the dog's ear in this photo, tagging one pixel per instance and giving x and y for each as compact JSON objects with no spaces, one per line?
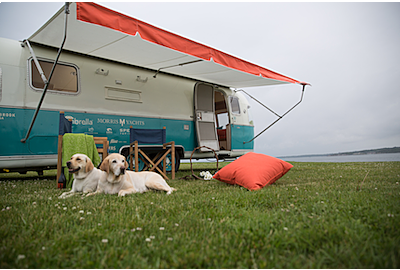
{"x":126,"y":165}
{"x":89,"y":165}
{"x":105,"y":166}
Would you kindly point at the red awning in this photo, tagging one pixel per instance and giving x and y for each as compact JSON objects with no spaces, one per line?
{"x":101,"y":32}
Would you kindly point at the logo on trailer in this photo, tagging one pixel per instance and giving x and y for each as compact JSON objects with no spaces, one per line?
{"x":86,"y":122}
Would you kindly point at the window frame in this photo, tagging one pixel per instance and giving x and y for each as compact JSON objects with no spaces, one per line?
{"x":231,"y":98}
{"x":31,"y":65}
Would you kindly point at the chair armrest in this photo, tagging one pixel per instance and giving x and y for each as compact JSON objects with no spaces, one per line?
{"x":169,"y":143}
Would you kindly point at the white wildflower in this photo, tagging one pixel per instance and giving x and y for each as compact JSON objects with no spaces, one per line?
{"x":98,"y":224}
{"x":170,"y":239}
{"x":89,"y":213}
{"x":50,"y":198}
{"x":152,"y":237}
{"x":65,"y":208}
{"x":138,"y":229}
{"x":206,"y":174}
{"x":104,"y":240}
{"x":176,"y":224}
{"x":81,"y":212}
{"x":81,"y":218}
{"x":285,"y":228}
{"x":162,"y":228}
{"x":148,"y":240}
{"x":34,"y":203}
{"x":43,"y":248}
{"x":20,"y":257}
{"x":73,"y":207}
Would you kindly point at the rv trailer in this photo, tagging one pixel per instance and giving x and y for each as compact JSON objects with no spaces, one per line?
{"x":114,"y":72}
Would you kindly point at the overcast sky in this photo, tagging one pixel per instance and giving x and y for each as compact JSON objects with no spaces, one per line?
{"x":349,"y":52}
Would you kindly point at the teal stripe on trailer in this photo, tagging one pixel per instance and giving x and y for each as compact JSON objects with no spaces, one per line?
{"x":241,"y":134}
{"x":43,"y":139}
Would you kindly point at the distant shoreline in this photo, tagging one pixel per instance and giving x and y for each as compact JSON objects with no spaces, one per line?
{"x":353,"y":153}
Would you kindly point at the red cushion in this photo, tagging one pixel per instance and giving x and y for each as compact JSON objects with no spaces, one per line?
{"x":253,"y":171}
{"x":221,"y":134}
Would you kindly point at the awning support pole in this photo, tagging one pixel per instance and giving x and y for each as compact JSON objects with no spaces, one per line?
{"x":178,"y":65}
{"x":39,"y":68}
{"x":279,"y":116}
{"x":47,"y":82}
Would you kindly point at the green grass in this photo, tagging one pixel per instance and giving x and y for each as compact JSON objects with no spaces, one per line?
{"x":319,"y":215}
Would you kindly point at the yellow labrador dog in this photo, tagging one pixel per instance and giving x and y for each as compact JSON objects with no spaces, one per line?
{"x":86,"y":176}
{"x":121,"y":181}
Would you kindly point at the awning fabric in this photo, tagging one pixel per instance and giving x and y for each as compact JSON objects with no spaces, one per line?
{"x":98,"y":31}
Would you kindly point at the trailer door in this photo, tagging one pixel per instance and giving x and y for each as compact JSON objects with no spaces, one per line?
{"x":205,"y":116}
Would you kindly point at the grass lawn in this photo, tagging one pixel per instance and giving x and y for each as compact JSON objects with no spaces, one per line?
{"x":319,"y":215}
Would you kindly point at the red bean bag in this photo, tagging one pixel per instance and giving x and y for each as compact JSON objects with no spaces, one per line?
{"x":253,"y":171}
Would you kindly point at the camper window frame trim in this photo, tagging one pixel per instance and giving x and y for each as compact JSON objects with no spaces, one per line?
{"x":231,"y":107}
{"x":57,"y":92}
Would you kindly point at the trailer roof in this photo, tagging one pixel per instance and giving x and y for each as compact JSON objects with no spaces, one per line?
{"x":98,"y":31}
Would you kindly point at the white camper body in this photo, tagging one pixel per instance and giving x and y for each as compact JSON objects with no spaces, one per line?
{"x":115,"y":72}
{"x":107,"y":98}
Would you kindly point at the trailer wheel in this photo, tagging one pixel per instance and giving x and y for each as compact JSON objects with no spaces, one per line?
{"x":169,"y":163}
{"x":152,"y":155}
{"x":141,"y":164}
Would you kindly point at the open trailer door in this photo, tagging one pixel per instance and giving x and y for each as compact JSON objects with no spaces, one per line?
{"x":205,"y":117}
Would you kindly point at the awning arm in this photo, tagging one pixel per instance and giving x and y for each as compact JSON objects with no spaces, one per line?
{"x":279,"y":116}
{"x":47,"y":82}
{"x":178,"y":65}
{"x":39,"y":68}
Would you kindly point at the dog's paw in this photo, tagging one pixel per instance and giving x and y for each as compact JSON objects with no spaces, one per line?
{"x":122,"y":193}
{"x":169,"y":192}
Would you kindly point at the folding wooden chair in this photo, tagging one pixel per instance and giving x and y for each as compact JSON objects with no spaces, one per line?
{"x":65,"y":126}
{"x":150,"y":146}
{"x":103,"y":150}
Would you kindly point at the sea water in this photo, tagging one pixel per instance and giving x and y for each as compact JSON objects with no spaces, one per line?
{"x":347,"y":158}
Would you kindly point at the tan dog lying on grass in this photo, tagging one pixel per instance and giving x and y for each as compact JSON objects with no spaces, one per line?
{"x":120,"y":181}
{"x":86,"y":176}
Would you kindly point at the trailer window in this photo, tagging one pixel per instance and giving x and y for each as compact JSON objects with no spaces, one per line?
{"x":235,"y":105}
{"x":64,"y":79}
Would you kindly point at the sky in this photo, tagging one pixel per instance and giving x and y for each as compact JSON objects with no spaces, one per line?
{"x":348,"y":52}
